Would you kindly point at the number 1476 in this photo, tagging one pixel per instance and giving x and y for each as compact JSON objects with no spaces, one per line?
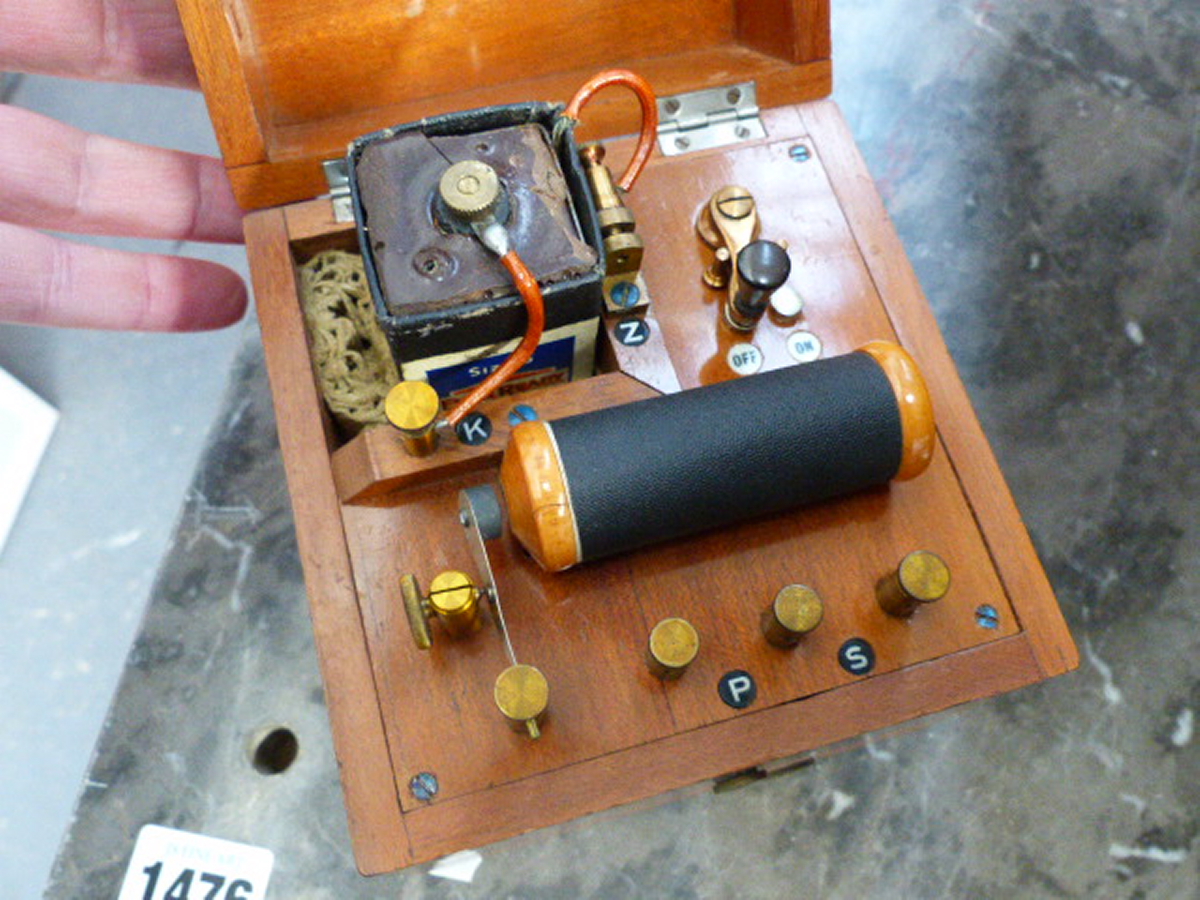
{"x":193,"y":885}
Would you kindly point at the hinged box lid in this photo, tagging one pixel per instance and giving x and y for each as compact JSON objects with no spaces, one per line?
{"x":289,"y":84}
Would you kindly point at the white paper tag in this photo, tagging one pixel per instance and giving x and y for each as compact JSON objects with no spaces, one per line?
{"x":460,"y":866}
{"x":177,"y":865}
{"x":26,"y":423}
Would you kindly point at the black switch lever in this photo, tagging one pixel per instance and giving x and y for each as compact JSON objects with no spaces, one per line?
{"x":763,"y":267}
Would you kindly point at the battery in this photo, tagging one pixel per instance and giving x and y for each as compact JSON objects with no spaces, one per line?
{"x":446,"y":304}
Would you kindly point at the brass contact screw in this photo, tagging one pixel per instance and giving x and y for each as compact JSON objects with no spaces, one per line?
{"x":412,"y":407}
{"x":523,"y":695}
{"x":796,"y":610}
{"x":673,"y":645}
{"x":921,"y":578}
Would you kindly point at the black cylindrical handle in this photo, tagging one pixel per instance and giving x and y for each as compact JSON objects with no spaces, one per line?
{"x":614,"y":480}
{"x":763,"y":267}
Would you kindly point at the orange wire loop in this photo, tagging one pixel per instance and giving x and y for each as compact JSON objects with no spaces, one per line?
{"x":645,"y":95}
{"x":535,"y":306}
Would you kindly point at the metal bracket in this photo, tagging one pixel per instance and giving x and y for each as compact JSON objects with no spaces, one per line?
{"x":713,"y":117}
{"x":337,"y":174}
{"x":479,"y":513}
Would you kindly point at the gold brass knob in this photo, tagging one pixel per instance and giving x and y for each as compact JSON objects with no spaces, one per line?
{"x":795,"y":611}
{"x":453,"y":598}
{"x":413,"y":408}
{"x":922,"y":577}
{"x":523,"y":694}
{"x":674,"y":643}
{"x":471,"y":189}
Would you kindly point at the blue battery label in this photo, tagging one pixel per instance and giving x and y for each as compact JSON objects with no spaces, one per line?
{"x":551,"y":364}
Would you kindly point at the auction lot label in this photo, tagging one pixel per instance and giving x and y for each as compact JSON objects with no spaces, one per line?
{"x":177,"y":865}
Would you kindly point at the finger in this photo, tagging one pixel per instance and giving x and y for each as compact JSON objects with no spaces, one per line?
{"x":58,"y":177}
{"x":104,"y":40}
{"x":45,"y":280}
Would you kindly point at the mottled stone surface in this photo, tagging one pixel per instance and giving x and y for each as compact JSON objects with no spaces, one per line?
{"x":1041,"y":165}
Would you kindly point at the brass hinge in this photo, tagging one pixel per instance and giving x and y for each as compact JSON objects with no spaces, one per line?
{"x":338,"y":177}
{"x":713,"y":117}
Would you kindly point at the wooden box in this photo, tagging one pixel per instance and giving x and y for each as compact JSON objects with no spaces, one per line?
{"x":288,"y":85}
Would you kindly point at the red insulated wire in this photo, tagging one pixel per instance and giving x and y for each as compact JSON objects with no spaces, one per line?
{"x":535,"y":306}
{"x":645,"y":95}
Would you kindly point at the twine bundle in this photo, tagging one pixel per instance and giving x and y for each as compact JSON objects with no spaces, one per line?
{"x":354,"y":365}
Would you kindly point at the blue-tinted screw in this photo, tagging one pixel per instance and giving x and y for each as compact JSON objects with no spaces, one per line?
{"x":424,"y":786}
{"x":625,"y":294}
{"x":521,"y":413}
{"x":986,"y":616}
{"x":800,"y":153}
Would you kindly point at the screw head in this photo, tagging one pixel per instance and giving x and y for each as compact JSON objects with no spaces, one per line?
{"x":625,"y":294}
{"x":800,"y":153}
{"x":522,"y":412}
{"x":987,"y":616}
{"x":424,"y":786}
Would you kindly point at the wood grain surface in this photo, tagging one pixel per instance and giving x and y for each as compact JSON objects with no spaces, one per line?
{"x":614,"y":733}
{"x":289,"y":84}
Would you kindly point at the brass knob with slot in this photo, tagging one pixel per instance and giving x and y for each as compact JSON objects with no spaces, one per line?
{"x":453,"y":599}
{"x":921,"y":578}
{"x":673,"y":645}
{"x":796,"y":611}
{"x":522,"y":694}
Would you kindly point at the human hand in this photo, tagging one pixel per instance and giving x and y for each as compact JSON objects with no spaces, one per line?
{"x":56,"y":177}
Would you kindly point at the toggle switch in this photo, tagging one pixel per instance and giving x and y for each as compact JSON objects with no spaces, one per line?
{"x":796,"y":610}
{"x":674,"y":643}
{"x":762,"y":267}
{"x":922,"y":577}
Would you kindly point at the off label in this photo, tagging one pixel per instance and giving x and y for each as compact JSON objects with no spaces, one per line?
{"x":178,"y":865}
{"x":857,"y":656}
{"x":804,"y":346}
{"x":632,"y":332}
{"x":744,"y":359}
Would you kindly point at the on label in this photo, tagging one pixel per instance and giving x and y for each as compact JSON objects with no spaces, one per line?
{"x":804,"y":346}
{"x":737,"y":688}
{"x":178,"y":865}
{"x":744,"y":359}
{"x":632,"y":332}
{"x":857,"y":656}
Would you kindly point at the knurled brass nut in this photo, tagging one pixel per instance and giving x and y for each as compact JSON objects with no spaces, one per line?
{"x":470,"y":189}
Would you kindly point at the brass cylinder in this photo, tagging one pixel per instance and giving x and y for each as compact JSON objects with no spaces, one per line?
{"x":922,"y":577}
{"x":673,"y":645}
{"x":604,"y":189}
{"x":523,"y":695}
{"x":413,"y":408}
{"x":454,"y":598}
{"x":796,"y":610}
